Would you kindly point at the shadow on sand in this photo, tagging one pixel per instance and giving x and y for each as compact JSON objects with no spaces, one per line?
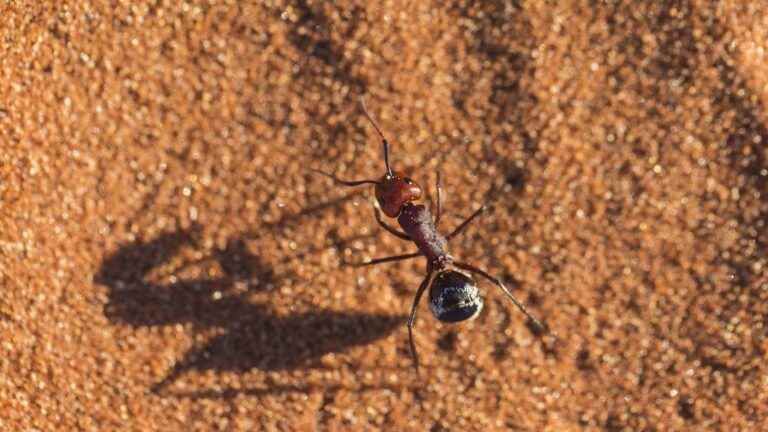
{"x":254,"y":337}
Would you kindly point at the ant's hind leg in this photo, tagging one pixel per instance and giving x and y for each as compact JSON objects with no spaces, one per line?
{"x":384,"y":225}
{"x":501,"y":286}
{"x":412,"y":319}
{"x":344,"y":182}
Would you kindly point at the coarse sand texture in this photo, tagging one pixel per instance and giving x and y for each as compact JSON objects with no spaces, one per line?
{"x":170,"y":262}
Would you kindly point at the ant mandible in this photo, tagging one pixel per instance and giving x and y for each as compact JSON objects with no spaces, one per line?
{"x":453,"y":294}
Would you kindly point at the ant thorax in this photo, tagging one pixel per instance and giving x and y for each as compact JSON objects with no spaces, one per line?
{"x":416,"y":220}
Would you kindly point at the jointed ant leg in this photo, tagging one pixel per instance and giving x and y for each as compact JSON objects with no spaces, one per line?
{"x":384,"y":225}
{"x":500,"y":284}
{"x":344,"y":182}
{"x":439,"y":204}
{"x":412,"y":320}
{"x":388,"y":259}
{"x":464,"y":224}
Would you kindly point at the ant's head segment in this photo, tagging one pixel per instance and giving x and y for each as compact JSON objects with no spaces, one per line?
{"x":393,"y":191}
{"x":454,"y":297}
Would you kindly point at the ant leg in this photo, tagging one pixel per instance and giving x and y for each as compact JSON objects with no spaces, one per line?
{"x":412,"y":320}
{"x":500,"y":284}
{"x":384,"y":225}
{"x":388,"y":259}
{"x":438,"y":213}
{"x":344,"y":182}
{"x":464,"y":224}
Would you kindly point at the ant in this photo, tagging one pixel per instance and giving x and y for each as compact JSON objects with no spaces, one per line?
{"x":453,"y":294}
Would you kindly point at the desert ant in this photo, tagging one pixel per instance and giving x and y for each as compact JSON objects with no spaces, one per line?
{"x":453,"y":294}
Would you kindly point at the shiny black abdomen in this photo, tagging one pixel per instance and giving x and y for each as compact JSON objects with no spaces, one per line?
{"x":454,"y":297}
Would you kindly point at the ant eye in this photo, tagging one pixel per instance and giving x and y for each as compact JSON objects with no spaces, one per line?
{"x":408,"y":180}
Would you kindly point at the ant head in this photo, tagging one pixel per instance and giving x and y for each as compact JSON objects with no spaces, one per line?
{"x":454,"y":297}
{"x":394,"y":190}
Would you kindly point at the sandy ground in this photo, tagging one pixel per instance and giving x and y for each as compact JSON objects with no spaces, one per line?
{"x":168,"y":262}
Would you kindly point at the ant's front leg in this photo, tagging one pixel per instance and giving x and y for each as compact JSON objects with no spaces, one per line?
{"x":384,"y":225}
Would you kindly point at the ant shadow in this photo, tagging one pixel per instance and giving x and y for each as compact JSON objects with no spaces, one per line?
{"x":254,"y":336}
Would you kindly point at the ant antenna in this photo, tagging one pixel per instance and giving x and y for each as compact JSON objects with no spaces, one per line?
{"x":383,"y":140}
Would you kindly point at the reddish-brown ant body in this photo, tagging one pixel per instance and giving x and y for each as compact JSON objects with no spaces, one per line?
{"x":453,"y":294}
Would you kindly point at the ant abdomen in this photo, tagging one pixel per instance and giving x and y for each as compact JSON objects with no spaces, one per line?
{"x":454,"y":297}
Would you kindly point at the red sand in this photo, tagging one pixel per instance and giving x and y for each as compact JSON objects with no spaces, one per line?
{"x":167,"y":262}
